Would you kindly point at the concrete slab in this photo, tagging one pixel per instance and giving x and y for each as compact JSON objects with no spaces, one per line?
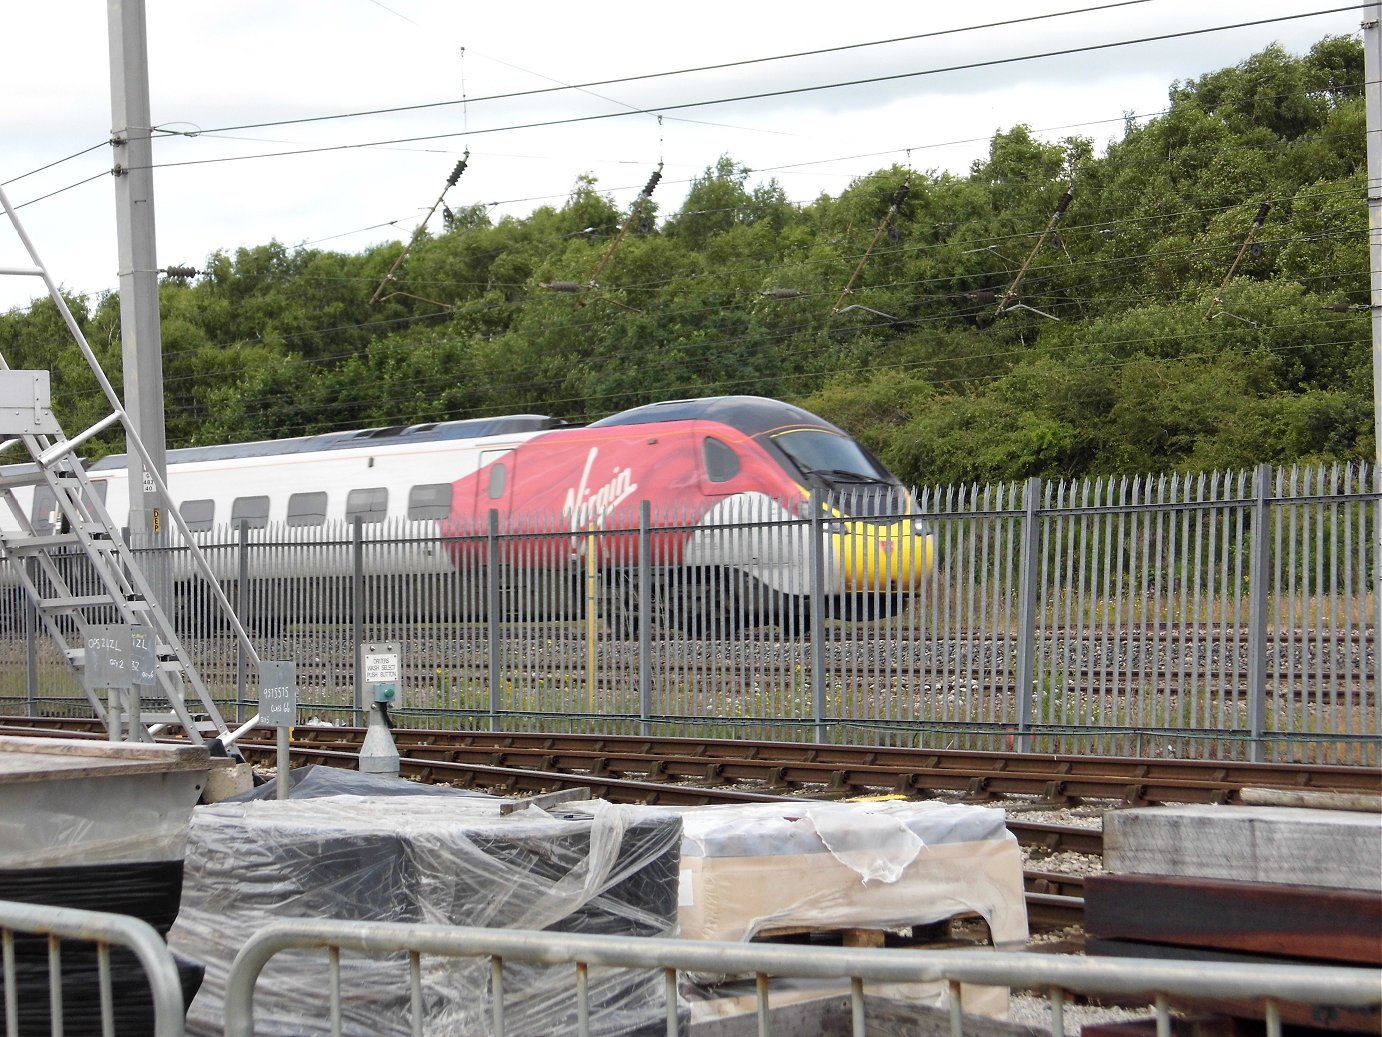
{"x":1341,"y":849}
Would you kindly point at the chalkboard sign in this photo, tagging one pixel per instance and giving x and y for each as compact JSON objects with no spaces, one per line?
{"x":143,"y":657}
{"x":107,"y":657}
{"x":278,"y":693}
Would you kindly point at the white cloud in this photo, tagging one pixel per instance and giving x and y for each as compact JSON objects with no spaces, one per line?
{"x":250,"y":62}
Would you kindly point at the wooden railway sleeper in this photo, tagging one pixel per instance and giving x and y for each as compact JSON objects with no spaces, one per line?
{"x":1054,"y":793}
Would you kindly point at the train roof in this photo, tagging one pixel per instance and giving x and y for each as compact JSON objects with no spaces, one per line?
{"x":752,"y":415}
{"x":428,"y":432}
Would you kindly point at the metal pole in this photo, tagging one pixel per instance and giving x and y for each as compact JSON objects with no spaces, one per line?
{"x":31,"y":630}
{"x":1372,"y":76}
{"x":285,"y":766}
{"x":131,"y":142}
{"x":1259,"y":562}
{"x":242,"y":608}
{"x":818,"y":529}
{"x":645,"y":617}
{"x":357,"y":612}
{"x":1026,"y":615}
{"x":492,"y":617}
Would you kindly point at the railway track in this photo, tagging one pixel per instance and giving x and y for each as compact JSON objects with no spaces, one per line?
{"x":688,"y":772}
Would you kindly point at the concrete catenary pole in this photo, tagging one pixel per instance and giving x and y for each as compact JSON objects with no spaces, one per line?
{"x":140,"y":335}
{"x":1372,"y":70}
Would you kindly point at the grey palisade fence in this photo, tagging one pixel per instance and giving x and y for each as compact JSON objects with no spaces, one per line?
{"x":1227,"y":614}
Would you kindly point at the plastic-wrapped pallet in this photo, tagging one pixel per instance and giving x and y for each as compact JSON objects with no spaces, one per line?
{"x":437,"y":860}
{"x":763,"y":868}
{"x":759,"y":867}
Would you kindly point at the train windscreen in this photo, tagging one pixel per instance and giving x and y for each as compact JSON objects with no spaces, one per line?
{"x":857,"y":483}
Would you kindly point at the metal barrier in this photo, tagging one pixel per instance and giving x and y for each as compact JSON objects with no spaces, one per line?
{"x":104,"y":930}
{"x":1059,"y":976}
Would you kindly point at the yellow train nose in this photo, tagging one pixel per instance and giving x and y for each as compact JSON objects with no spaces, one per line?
{"x":874,"y":557}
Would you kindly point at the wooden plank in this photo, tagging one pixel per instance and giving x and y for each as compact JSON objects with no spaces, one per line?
{"x":1181,"y":1026}
{"x":50,"y":759}
{"x":1296,"y":922}
{"x":884,"y":1017}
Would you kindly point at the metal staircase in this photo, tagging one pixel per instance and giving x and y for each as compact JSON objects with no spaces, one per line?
{"x":81,"y":576}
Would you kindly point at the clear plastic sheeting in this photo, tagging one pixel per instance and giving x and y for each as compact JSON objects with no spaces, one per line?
{"x":313,"y":782}
{"x":753,"y":869}
{"x":73,"y":802}
{"x":438,"y":860}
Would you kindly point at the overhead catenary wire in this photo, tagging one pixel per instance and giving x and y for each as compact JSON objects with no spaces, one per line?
{"x":762,"y":95}
{"x":1004,"y":23}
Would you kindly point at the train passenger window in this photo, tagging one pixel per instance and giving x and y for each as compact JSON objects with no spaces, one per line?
{"x":370,"y":503}
{"x":430,"y":501}
{"x":254,"y":511}
{"x":45,"y":510}
{"x":721,"y":462}
{"x":198,"y":514}
{"x":307,"y":509}
{"x":498,"y":480}
{"x":45,"y":515}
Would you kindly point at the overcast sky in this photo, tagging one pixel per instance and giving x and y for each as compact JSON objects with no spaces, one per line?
{"x":219,"y":71}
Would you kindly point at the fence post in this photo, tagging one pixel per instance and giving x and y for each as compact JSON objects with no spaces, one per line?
{"x":1026,"y":611}
{"x":493,"y":606}
{"x":357,"y":611}
{"x":1259,"y":565}
{"x":242,"y":609}
{"x":645,"y":617}
{"x":30,"y":614}
{"x":817,"y":529}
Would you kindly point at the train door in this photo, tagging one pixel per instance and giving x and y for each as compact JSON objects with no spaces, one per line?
{"x":722,"y":551}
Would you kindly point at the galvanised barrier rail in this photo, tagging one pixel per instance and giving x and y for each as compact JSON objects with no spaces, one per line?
{"x":1222,"y":615}
{"x":58,"y":924}
{"x":1159,"y":982}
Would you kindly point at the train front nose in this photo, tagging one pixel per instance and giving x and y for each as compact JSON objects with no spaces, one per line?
{"x":880,"y":556}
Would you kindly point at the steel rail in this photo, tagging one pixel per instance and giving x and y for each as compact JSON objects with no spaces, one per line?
{"x":833,"y":770}
{"x":844,"y":769}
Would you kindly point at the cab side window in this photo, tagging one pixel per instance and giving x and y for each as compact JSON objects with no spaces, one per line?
{"x":721,"y":462}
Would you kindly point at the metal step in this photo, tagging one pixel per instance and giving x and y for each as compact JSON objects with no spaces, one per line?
{"x":112,"y":578}
{"x":40,"y":543}
{"x":84,"y":601}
